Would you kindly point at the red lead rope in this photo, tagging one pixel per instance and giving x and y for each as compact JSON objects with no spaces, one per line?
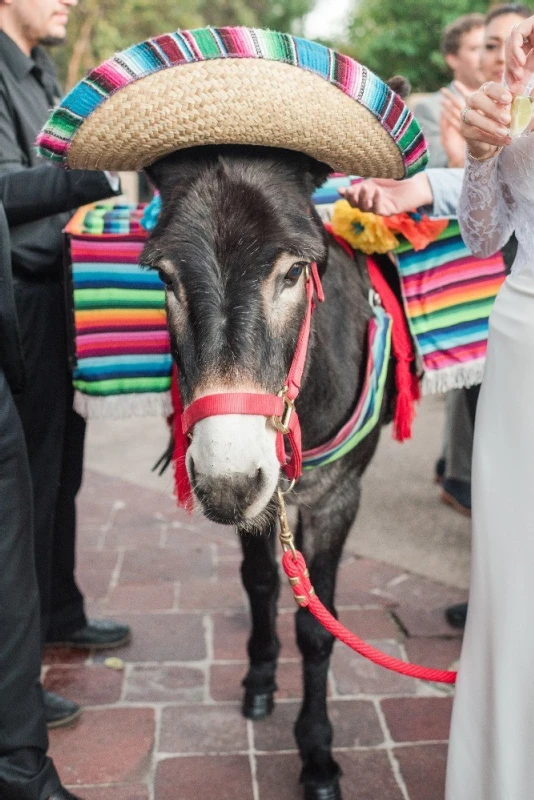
{"x":295,"y":569}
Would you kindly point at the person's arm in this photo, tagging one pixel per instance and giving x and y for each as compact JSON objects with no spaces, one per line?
{"x":22,"y":192}
{"x":486,"y":208}
{"x":37,"y":245}
{"x":445,"y":188}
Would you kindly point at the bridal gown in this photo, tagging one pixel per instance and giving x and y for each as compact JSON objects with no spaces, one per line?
{"x":491,"y":749}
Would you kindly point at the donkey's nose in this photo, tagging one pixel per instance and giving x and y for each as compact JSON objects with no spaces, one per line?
{"x":225,"y":499}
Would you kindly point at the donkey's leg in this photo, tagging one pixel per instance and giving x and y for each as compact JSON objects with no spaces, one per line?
{"x":259,"y":572}
{"x":326,"y":529}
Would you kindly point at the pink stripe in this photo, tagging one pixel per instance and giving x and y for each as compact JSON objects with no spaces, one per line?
{"x":119,"y":350}
{"x":457,"y":290}
{"x":455,"y":355}
{"x":453,"y":271}
{"x":111,"y":73}
{"x":127,"y":339}
{"x":119,"y":252}
{"x":415,"y":154}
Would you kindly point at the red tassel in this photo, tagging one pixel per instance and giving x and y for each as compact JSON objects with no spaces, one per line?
{"x":182,"y":486}
{"x":407,"y":385}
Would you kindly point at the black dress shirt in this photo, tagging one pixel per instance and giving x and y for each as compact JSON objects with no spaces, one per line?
{"x":28,"y":92}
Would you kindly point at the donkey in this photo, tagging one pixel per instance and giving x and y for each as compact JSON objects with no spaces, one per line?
{"x":235,"y":235}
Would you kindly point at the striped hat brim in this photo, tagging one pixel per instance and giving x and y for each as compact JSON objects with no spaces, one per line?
{"x":234,"y":86}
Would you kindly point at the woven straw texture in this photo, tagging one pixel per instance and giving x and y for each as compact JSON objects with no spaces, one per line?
{"x":234,"y":86}
{"x":271,"y":103}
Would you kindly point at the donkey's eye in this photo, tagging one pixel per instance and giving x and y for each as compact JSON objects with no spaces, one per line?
{"x":164,"y":277}
{"x":294,"y":272}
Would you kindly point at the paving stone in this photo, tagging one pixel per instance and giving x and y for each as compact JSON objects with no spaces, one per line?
{"x":104,"y":746}
{"x":204,"y":778}
{"x":164,"y":684}
{"x":203,"y":729}
{"x":131,"y":537}
{"x":437,"y":653}
{"x":152,"y":565}
{"x":63,"y":655}
{"x":145,"y":597}
{"x":94,"y":571}
{"x":418,"y":719}
{"x":425,"y":621}
{"x":370,"y":624}
{"x":355,"y":724}
{"x":230,"y":635}
{"x":228,"y":570}
{"x":422,"y":603}
{"x":162,"y":637}
{"x":368,"y":776}
{"x":368,"y":575}
{"x":210,"y":595}
{"x":423,"y":770}
{"x":89,"y":536}
{"x":90,"y":685}
{"x":114,"y":792}
{"x":225,"y":681}
{"x":354,"y":674}
{"x":361,"y":582}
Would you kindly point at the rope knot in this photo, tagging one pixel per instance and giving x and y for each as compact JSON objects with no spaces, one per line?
{"x":299,"y":577}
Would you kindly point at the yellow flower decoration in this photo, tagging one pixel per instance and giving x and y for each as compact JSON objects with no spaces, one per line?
{"x":361,"y":229}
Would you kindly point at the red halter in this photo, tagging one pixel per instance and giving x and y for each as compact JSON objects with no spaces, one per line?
{"x":280,"y":408}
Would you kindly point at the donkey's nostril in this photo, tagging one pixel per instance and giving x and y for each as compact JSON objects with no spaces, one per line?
{"x":258,"y":479}
{"x":192,"y":471}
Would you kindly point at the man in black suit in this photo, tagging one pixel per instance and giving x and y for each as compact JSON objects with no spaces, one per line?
{"x":54,"y":433}
{"x":26,"y":773}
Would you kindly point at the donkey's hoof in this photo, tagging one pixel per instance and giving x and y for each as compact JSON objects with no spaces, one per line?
{"x":326,"y":791}
{"x":258,"y":706}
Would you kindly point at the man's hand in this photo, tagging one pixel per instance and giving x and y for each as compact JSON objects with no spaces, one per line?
{"x":386,"y":197}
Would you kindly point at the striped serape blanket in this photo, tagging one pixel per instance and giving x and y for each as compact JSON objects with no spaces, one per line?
{"x":122,"y":353}
{"x":448,"y":295}
{"x":122,"y":363}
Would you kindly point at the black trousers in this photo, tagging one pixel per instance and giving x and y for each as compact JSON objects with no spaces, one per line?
{"x":54,"y":436}
{"x":25,"y":771}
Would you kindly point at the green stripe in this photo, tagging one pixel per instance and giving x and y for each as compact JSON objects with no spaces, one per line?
{"x":123,"y":386}
{"x":372,"y":421}
{"x":118,"y":298}
{"x":452,"y":229}
{"x":206,"y":43}
{"x":465,"y":312}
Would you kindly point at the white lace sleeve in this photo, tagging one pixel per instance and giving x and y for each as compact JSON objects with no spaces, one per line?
{"x":486,"y":207}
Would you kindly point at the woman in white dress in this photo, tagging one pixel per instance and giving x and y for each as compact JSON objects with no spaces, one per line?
{"x":491,"y":750}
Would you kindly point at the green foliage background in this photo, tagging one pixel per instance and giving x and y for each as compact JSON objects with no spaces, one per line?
{"x":403,"y":37}
{"x":98,"y":28}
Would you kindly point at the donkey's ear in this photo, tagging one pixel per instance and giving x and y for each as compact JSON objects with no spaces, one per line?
{"x":400,"y":86}
{"x":318,"y":171}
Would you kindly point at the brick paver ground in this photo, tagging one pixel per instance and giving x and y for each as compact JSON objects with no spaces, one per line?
{"x":167,"y":726}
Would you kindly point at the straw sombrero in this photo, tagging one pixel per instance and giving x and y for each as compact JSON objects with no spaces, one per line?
{"x":234,"y":86}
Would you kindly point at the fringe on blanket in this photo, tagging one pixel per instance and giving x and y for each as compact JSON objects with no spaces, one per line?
{"x":122,"y":406}
{"x":461,"y":376}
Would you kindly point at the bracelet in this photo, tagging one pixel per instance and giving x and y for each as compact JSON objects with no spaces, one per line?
{"x":483,"y":158}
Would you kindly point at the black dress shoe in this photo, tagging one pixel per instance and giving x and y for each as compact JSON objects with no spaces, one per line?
{"x":98,"y":634}
{"x":59,"y":711}
{"x":63,"y":794}
{"x":457,"y":615}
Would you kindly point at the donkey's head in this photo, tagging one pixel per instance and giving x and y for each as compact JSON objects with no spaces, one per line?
{"x":235,"y":236}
